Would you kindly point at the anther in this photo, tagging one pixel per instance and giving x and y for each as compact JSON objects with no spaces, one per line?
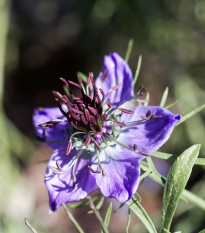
{"x":65,"y":82}
{"x":155,"y":117}
{"x":135,"y":147}
{"x":102,"y":92}
{"x":141,"y":91}
{"x":143,"y":153}
{"x":117,"y":86}
{"x":109,"y":104}
{"x":74,"y":84}
{"x":119,"y":123}
{"x":148,"y":113}
{"x":94,"y":171}
{"x":125,"y":111}
{"x":87,"y":141}
{"x":69,"y":147}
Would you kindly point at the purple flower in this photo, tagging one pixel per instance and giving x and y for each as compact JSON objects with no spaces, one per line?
{"x":98,"y":139}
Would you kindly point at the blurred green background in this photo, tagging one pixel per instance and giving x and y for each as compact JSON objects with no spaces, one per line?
{"x":43,"y":40}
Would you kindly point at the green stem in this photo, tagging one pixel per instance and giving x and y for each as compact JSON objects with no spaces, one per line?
{"x":77,"y":226}
{"x":97,"y":214}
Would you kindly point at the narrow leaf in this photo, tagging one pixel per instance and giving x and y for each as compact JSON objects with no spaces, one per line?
{"x":129,"y":50}
{"x":170,"y":105}
{"x":82,"y":76}
{"x":176,"y":181}
{"x":164,"y":97}
{"x":171,"y":157}
{"x":191,"y":114}
{"x":128,"y":221}
{"x":187,"y":195}
{"x":83,"y":203}
{"x":108,"y":215}
{"x":77,"y":226}
{"x":138,"y":69}
{"x":147,"y":99}
{"x":136,"y":207}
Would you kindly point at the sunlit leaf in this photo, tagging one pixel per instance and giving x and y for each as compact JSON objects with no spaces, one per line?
{"x":82,"y":76}
{"x":129,"y":50}
{"x":164,"y":97}
{"x":176,"y":181}
{"x":171,"y":157}
{"x":138,"y":69}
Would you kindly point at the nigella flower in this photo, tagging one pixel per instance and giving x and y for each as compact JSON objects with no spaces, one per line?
{"x":99,"y":138}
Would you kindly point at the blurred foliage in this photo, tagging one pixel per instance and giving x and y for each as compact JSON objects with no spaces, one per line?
{"x":50,"y":39}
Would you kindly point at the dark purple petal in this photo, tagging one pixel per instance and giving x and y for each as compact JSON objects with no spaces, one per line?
{"x":59,"y":132}
{"x":149,"y":135}
{"x":122,"y":170}
{"x":60,"y":187}
{"x":118,"y":71}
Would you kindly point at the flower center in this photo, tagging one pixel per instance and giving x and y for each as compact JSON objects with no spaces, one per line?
{"x":90,"y":118}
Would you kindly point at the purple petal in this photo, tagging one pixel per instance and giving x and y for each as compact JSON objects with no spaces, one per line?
{"x":150,"y":135}
{"x":117,"y":71}
{"x":60,"y":187}
{"x":42,"y":115}
{"x":122,"y":170}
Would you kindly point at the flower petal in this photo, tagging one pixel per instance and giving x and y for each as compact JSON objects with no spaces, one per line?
{"x":57,"y":133}
{"x":117,"y":71}
{"x":60,"y":187}
{"x":122,"y":170}
{"x":149,"y":135}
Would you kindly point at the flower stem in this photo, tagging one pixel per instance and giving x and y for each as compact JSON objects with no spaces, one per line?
{"x":97,"y":214}
{"x":77,"y":226}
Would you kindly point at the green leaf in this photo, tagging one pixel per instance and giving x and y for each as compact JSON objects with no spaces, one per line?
{"x":98,"y":206}
{"x":187,"y":195}
{"x":147,"y":99}
{"x":83,"y":203}
{"x":75,"y":223}
{"x":164,"y":97}
{"x":203,"y":231}
{"x":176,"y":181}
{"x":137,"y":208}
{"x":129,"y":50}
{"x":82,"y":76}
{"x":171,"y":157}
{"x":138,"y":69}
{"x":191,"y":114}
{"x":107,"y":216}
{"x":170,"y":105}
{"x":118,"y":208}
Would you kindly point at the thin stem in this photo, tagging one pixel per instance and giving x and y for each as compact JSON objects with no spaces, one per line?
{"x":97,"y":214}
{"x":77,"y":226}
{"x":29,"y":226}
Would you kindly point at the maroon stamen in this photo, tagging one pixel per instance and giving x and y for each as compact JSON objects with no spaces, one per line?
{"x":119,"y":123}
{"x":125,"y":111}
{"x":74,"y":84}
{"x":116,"y":87}
{"x":87,"y":141}
{"x":69,"y":147}
{"x":109,"y":104}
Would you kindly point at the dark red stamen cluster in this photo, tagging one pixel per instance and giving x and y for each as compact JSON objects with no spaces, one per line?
{"x":83,"y":113}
